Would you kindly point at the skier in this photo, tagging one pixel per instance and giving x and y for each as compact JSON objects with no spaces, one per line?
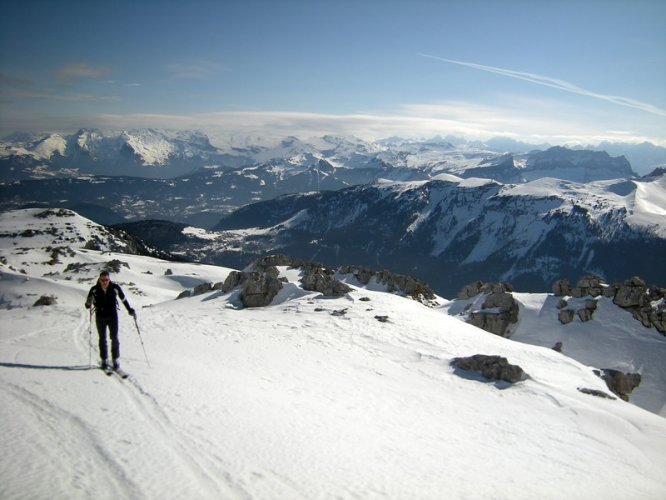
{"x":103,"y":296}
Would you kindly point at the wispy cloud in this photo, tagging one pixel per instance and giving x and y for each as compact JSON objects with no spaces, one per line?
{"x":557,"y":84}
{"x":416,"y":120}
{"x":79,"y":71}
{"x":194,"y":69}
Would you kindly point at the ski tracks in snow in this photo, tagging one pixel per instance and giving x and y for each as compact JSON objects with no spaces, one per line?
{"x":207,"y":478}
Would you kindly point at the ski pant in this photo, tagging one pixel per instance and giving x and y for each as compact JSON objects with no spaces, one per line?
{"x":112,"y":323}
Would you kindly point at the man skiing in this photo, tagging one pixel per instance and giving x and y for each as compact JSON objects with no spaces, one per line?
{"x":104,"y":297}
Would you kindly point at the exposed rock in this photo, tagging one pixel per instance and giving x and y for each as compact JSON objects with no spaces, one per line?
{"x":474,"y":289}
{"x":499,"y":311}
{"x":595,"y":392}
{"x":382,"y":318}
{"x":492,"y":367}
{"x":395,"y":283}
{"x":557,"y":347}
{"x":260,"y":289}
{"x":621,"y":383}
{"x":319,"y":280}
{"x":184,"y":294}
{"x":584,"y":315}
{"x":234,"y":279}
{"x":202,"y":288}
{"x":562,"y":288}
{"x":45,"y":300}
{"x":632,"y":293}
{"x":588,"y":285}
{"x":566,"y":316}
{"x":562,"y":303}
{"x":113,"y":266}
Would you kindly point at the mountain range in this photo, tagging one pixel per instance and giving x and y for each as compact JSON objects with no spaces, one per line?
{"x":129,"y":177}
{"x":448,"y":231}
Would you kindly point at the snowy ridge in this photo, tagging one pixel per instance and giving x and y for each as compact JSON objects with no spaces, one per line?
{"x":290,"y":400}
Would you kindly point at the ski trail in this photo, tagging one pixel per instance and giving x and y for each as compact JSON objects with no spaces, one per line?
{"x":60,"y":436}
{"x":207,"y":472}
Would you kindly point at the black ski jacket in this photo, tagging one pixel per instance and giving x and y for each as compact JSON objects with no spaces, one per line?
{"x":106,"y":303}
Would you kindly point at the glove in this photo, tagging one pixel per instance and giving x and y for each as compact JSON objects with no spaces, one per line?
{"x":131,"y":312}
{"x":87,"y":305}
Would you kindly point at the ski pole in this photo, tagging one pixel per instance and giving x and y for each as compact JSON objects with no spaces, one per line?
{"x":90,"y":340}
{"x":143,"y":346}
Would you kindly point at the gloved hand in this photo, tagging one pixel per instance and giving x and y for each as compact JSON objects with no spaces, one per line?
{"x":131,"y":312}
{"x":87,"y":305}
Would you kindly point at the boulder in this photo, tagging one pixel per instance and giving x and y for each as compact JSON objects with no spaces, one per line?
{"x":561,"y":288}
{"x":632,"y":293}
{"x":498,"y":312}
{"x":621,"y":383}
{"x":491,"y":367}
{"x":324,"y":283}
{"x":474,"y":289}
{"x":566,"y":316}
{"x":45,"y":300}
{"x":259,"y":289}
{"x":202,"y":288}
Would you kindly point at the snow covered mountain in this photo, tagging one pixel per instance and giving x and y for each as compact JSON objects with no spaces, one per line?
{"x":451,"y":231}
{"x":310,"y":396}
{"x":220,"y":180}
{"x":165,"y":154}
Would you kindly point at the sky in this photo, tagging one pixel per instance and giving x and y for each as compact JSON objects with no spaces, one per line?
{"x":540,"y":71}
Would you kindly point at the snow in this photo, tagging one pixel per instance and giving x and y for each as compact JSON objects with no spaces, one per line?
{"x":288,"y":401}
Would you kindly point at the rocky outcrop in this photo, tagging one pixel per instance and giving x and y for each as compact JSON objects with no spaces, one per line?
{"x":595,"y":392}
{"x":588,"y":286}
{"x":316,"y":278}
{"x":647,"y":305}
{"x":561,"y":288}
{"x":474,"y":289}
{"x":394,"y":283}
{"x":499,"y":310}
{"x":566,"y":316}
{"x":322,"y":281}
{"x":621,"y":384}
{"x":260,"y":289}
{"x":45,"y":300}
{"x":491,"y":367}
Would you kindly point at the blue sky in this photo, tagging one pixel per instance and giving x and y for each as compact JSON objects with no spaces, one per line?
{"x":533,"y":70}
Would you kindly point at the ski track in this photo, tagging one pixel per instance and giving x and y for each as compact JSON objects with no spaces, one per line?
{"x":202,"y":467}
{"x":61,"y":435}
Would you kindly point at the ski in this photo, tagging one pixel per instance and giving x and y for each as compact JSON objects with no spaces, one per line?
{"x":110,"y":371}
{"x":121,"y":373}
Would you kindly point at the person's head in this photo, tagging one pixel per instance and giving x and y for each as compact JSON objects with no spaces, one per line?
{"x":104,"y":279}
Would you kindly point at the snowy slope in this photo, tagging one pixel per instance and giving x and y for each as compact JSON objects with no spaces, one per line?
{"x":612,"y":339}
{"x":289,"y":401}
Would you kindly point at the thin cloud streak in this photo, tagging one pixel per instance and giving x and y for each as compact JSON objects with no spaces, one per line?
{"x":80,"y":71}
{"x":556,"y":84}
{"x":412,"y":121}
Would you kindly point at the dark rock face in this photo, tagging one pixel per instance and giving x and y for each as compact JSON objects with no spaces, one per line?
{"x":595,"y":392}
{"x":621,"y":383}
{"x":647,"y":305}
{"x":395,"y":283}
{"x":45,"y":300}
{"x":260,"y":289}
{"x":491,"y":367}
{"x":499,"y":310}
